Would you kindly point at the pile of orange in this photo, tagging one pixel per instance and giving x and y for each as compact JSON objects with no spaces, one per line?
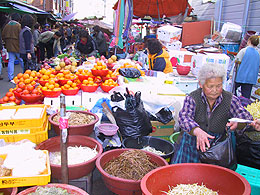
{"x":9,"y":97}
{"x":70,"y":85}
{"x":112,"y":74}
{"x":99,"y":66}
{"x":66,"y":75}
{"x":110,"y":82}
{"x":46,"y":74}
{"x":29,"y":77}
{"x":89,"y":82}
{"x":51,"y":85}
{"x":84,"y":72}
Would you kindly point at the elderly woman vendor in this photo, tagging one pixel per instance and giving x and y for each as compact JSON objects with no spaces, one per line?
{"x":205,"y":114}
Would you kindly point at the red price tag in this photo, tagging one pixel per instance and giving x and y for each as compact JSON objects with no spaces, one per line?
{"x":64,"y":123}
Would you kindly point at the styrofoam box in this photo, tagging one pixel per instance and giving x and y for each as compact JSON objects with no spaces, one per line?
{"x":90,"y":99}
{"x":187,"y":87}
{"x":199,"y":60}
{"x":52,"y":101}
{"x":176,"y":45}
{"x":255,"y":92}
{"x":169,"y":33}
{"x":74,"y":100}
{"x":183,"y":56}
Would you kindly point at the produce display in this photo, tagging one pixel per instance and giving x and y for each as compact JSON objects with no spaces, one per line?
{"x":131,"y":164}
{"x":188,"y":189}
{"x":153,"y":150}
{"x":50,"y":191}
{"x":76,"y":118}
{"x":76,"y":155}
{"x":254,"y":109}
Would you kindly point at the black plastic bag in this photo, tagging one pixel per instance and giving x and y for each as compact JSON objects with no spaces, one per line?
{"x":221,"y":152}
{"x":164,"y":116}
{"x":31,"y":64}
{"x":130,"y":72}
{"x":247,"y":150}
{"x":134,"y":121}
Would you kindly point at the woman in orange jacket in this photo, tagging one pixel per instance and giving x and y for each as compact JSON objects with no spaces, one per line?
{"x":158,"y":57}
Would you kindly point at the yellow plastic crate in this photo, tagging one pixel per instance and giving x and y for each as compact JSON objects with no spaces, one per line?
{"x":23,"y":123}
{"x":44,"y":179}
{"x":36,"y":138}
{"x":24,"y":130}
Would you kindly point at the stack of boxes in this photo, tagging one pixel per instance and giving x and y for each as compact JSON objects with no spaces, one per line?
{"x":33,"y":129}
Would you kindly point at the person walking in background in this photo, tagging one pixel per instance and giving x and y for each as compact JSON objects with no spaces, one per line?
{"x":46,"y":28}
{"x":100,"y":40}
{"x":1,"y":48}
{"x":247,"y":62}
{"x":56,"y":45}
{"x":36,"y":34}
{"x":10,"y":36}
{"x":27,"y":43}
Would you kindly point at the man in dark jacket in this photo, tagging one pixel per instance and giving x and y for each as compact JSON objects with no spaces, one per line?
{"x":100,"y":41}
{"x":10,"y":36}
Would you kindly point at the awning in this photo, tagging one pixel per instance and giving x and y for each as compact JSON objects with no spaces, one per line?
{"x":69,"y":17}
{"x":12,"y":6}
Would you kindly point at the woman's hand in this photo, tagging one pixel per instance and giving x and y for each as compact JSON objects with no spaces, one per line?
{"x":256,"y":124}
{"x":202,"y":139}
{"x":232,"y":125}
{"x":29,"y":56}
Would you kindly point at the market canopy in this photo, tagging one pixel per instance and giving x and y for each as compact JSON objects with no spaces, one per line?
{"x":159,"y":8}
{"x":12,"y":6}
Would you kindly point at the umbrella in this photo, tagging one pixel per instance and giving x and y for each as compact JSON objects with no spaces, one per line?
{"x":69,"y":17}
{"x":159,"y":8}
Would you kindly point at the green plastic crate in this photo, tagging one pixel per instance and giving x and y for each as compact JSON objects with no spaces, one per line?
{"x":252,"y":175}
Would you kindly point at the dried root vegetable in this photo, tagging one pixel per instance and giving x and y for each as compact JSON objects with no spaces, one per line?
{"x":76,"y":118}
{"x":131,"y":164}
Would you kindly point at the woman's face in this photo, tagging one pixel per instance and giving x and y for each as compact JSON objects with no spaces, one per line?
{"x":212,"y":88}
{"x":84,"y":39}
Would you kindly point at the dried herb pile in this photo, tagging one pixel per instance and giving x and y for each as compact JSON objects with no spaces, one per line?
{"x":76,"y":118}
{"x":131,"y":164}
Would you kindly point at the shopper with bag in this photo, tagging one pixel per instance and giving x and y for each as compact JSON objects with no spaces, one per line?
{"x":205,"y":113}
{"x":27,"y":43}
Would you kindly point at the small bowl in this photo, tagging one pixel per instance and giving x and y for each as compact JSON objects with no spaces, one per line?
{"x":106,"y":88}
{"x":51,"y":94}
{"x":183,"y":70}
{"x":89,"y":88}
{"x":42,"y":83}
{"x":101,"y":73}
{"x":107,"y":129}
{"x":70,"y":91}
{"x":31,"y":99}
{"x":17,"y":95}
{"x":106,"y":78}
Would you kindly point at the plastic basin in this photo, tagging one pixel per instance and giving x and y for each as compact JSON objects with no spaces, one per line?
{"x":220,"y":179}
{"x":31,"y":99}
{"x":70,"y":91}
{"x":64,"y":81}
{"x":71,"y":189}
{"x":8,"y":191}
{"x":157,"y":143}
{"x":84,"y":77}
{"x":106,"y":78}
{"x":118,"y":185}
{"x":183,"y":70}
{"x":108,"y":129}
{"x":89,"y":88}
{"x":174,"y":137}
{"x":78,"y":170}
{"x":51,"y":94}
{"x":106,"y":88}
{"x":101,"y":73}
{"x":85,"y":129}
{"x":17,"y":95}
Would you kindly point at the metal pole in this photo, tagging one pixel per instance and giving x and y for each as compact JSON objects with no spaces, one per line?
{"x":158,"y":10}
{"x":245,"y":16}
{"x":63,"y":141}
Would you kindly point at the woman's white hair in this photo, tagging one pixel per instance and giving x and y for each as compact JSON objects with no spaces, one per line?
{"x":209,"y":71}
